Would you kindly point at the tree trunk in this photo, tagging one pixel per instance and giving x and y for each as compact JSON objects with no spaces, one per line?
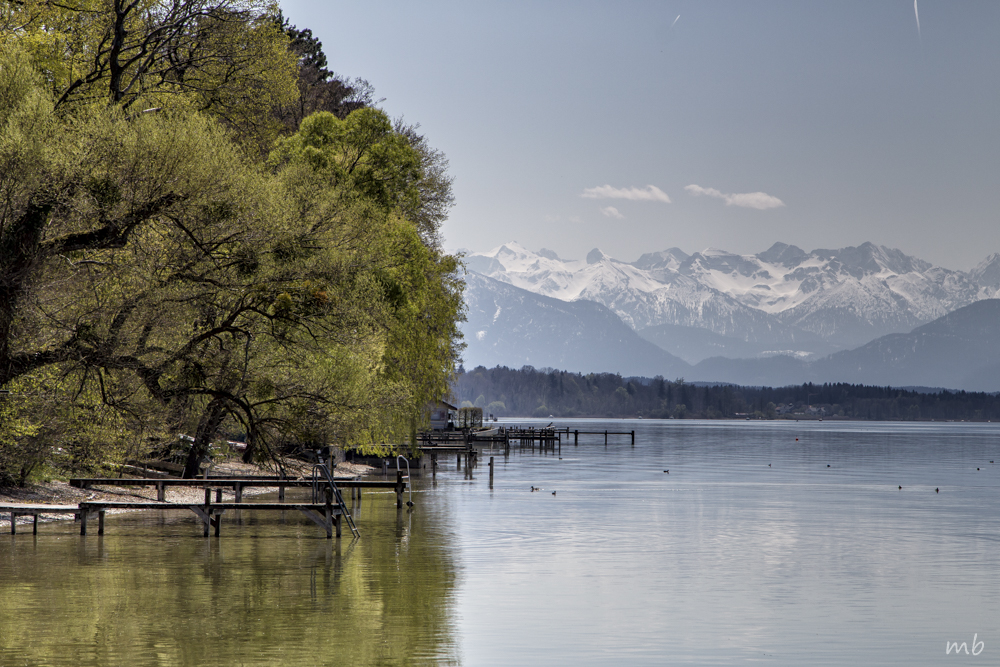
{"x":211,"y":419}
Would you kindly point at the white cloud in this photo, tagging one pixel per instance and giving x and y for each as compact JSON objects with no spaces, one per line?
{"x":648,"y":193}
{"x":757,"y":200}
{"x":612,"y":212}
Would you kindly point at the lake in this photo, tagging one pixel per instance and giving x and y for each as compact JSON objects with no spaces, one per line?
{"x":767,"y":542}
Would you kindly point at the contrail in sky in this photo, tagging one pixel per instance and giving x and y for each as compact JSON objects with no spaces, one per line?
{"x":915,"y":13}
{"x":679,"y":18}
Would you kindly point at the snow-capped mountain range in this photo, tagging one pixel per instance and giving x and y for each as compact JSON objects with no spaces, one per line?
{"x":781,"y":301}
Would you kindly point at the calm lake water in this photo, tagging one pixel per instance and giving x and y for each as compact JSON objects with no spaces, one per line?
{"x":816,"y":559}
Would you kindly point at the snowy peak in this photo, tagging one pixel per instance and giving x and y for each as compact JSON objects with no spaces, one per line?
{"x":783,"y":296}
{"x":782,"y":254}
{"x":670,"y":260}
{"x":987,"y":273}
{"x":595,"y":256}
{"x":868,"y":258}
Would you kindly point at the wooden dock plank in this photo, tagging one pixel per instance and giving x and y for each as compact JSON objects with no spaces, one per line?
{"x":93,"y":505}
{"x":40,"y":508}
{"x":351,"y":483}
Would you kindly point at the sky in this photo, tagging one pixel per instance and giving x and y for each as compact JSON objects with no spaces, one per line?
{"x":640,"y":126}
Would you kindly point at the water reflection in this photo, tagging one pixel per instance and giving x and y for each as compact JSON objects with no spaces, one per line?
{"x":153,"y":591}
{"x":783,"y":543}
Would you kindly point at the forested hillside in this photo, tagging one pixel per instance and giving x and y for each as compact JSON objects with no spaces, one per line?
{"x":506,"y":392}
{"x":204,"y":231}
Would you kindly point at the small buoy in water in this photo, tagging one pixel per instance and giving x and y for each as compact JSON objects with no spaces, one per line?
{"x":796,"y":439}
{"x":768,"y":465}
{"x":900,"y":488}
{"x":937,"y":490}
{"x":827,"y":465}
{"x":977,"y":468}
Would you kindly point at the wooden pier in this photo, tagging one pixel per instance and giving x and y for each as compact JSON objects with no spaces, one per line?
{"x":468,"y":442}
{"x":328,"y":515}
{"x":238,"y":484}
{"x":24,"y":509}
{"x":325,"y":515}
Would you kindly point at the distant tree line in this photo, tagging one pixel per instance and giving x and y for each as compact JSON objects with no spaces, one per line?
{"x":527,"y":392}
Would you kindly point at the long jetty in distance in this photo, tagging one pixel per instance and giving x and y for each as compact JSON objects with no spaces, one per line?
{"x":546,"y":436}
{"x":467,"y":443}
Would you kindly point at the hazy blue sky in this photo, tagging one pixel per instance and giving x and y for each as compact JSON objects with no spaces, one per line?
{"x":854,"y":126}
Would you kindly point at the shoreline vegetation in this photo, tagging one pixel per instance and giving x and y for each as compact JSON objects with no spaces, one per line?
{"x":527,"y":392}
{"x":205,"y":231}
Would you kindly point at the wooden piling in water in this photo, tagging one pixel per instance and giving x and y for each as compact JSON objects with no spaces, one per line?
{"x":491,"y":472}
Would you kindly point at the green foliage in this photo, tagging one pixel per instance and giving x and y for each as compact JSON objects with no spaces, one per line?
{"x":156,"y":277}
{"x":360,"y":154}
{"x":227,"y":58}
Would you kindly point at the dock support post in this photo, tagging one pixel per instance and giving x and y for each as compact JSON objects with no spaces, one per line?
{"x":633,"y":438}
{"x":13,"y":523}
{"x":239,"y":492}
{"x":336,"y":524}
{"x":83,"y":521}
{"x":576,"y":437}
{"x":399,"y":489}
{"x":218,"y":495}
{"x":491,"y":472}
{"x":281,"y":493}
{"x":100,"y":522}
{"x":605,"y":438}
{"x":34,"y":528}
{"x":161,"y":492}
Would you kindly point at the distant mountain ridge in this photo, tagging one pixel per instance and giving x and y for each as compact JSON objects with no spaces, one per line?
{"x":960,"y":350}
{"x":781,"y":301}
{"x":509,"y":326}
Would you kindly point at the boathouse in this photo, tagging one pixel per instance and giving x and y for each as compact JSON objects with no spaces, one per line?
{"x":442,"y":416}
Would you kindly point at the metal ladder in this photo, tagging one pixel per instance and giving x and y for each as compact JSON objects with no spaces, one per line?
{"x":409,"y":485}
{"x":321,"y":472}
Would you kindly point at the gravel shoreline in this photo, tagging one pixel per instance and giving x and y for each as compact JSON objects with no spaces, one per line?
{"x":61,"y":493}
